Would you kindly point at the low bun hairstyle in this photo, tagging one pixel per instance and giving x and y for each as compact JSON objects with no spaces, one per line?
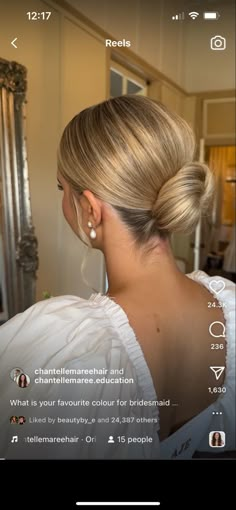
{"x":137,"y":156}
{"x":183,"y":198}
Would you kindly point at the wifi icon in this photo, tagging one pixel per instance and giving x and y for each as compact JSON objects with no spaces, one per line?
{"x":193,"y":14}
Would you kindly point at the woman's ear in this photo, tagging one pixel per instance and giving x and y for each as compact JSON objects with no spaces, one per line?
{"x":91,"y":207}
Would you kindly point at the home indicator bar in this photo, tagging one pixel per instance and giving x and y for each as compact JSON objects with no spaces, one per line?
{"x":118,"y":503}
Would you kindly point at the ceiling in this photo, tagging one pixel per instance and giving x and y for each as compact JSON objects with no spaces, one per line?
{"x":204,"y":4}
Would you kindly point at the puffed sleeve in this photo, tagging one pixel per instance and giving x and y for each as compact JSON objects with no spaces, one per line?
{"x":84,"y":398}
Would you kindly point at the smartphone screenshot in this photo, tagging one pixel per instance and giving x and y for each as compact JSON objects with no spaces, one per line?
{"x":117,"y":244}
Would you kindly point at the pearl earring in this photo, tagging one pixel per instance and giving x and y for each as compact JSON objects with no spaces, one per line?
{"x":92,"y":232}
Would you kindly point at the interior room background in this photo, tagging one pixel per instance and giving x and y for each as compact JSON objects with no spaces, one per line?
{"x":69,"y":68}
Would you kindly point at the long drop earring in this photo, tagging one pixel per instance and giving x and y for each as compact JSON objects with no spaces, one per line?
{"x":92,"y":232}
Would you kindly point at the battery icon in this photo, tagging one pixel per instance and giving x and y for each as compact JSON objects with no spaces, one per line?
{"x":211,"y":15}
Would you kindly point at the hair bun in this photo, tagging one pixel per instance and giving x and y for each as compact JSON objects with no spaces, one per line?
{"x":184,"y":198}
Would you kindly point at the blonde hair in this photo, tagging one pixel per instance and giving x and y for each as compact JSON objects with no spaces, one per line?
{"x":137,"y":156}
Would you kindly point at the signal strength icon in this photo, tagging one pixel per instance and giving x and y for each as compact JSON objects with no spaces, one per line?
{"x":178,"y":17}
{"x":193,"y":14}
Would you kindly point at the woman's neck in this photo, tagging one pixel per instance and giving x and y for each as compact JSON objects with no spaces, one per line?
{"x":129,"y":270}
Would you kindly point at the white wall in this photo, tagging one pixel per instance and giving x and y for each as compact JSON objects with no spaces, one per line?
{"x":205,"y":69}
{"x":147,"y":24}
{"x":38,"y":52}
{"x":180,"y":50}
{"x":60,"y":84}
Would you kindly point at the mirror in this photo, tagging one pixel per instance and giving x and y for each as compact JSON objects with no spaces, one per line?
{"x":18,"y":244}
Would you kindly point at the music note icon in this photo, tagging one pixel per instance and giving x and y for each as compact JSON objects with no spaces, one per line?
{"x":14,"y":439}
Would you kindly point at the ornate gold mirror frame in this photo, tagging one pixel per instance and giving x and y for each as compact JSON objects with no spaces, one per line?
{"x":18,"y":244}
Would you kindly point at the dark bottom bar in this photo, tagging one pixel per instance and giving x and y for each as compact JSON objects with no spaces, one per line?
{"x":175,"y":484}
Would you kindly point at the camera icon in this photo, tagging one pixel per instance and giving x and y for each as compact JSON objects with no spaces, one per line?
{"x":218,"y":43}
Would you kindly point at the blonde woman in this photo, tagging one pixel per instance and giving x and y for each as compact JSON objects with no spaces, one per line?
{"x":133,"y":364}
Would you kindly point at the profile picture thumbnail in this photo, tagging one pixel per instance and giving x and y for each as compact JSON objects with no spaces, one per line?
{"x":14,"y":419}
{"x":217,"y":439}
{"x":23,"y":380}
{"x":15,"y":373}
{"x":21,"y":420}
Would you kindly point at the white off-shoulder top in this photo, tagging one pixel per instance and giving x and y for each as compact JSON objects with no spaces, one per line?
{"x":91,"y":395}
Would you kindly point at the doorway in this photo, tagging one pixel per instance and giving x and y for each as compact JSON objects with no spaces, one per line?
{"x":221,"y":251}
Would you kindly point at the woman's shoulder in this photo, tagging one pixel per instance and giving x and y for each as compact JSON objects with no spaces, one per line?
{"x":59,"y":322}
{"x":217,"y":284}
{"x":62,"y":308}
{"x":222,"y":289}
{"x":60,"y":331}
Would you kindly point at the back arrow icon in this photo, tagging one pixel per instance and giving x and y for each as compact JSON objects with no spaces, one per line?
{"x":14,"y":40}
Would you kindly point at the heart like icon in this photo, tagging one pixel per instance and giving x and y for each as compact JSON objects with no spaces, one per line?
{"x":217,"y":286}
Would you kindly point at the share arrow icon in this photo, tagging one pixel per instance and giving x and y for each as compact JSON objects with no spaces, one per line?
{"x":218,"y":371}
